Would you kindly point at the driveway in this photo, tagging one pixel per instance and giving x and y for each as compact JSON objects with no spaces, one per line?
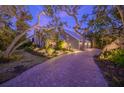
{"x":71,"y":70}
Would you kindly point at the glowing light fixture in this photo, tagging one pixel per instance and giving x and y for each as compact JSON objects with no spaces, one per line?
{"x":89,"y":44}
{"x":85,"y":43}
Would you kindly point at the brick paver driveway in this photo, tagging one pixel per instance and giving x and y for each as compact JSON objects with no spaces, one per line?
{"x":72,"y":70}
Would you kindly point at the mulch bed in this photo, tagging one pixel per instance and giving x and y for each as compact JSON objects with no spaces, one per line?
{"x":17,"y":70}
{"x":111,"y":72}
{"x":14,"y":69}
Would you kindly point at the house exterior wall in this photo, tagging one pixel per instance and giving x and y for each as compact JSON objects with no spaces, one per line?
{"x":72,"y":41}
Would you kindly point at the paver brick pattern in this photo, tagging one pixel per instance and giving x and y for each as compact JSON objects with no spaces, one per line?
{"x":72,"y":70}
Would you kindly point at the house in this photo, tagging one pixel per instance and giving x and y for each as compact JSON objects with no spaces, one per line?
{"x":74,"y":39}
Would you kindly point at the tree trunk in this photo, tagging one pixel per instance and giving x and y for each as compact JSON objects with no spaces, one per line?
{"x":20,"y":44}
{"x":9,"y":49}
{"x":14,"y":42}
{"x":121,"y":12}
{"x":17,"y":46}
{"x":17,"y":38}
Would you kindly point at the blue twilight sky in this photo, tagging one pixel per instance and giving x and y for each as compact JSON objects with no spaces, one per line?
{"x":35,"y":9}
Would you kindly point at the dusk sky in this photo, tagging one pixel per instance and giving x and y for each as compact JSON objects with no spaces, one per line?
{"x":34,"y":10}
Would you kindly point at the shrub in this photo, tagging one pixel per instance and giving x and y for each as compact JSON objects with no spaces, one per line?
{"x":62,"y":45}
{"x":50,"y":51}
{"x":31,"y":47}
{"x":47,"y":43}
{"x":50,"y":43}
{"x":116,"y":56}
{"x":28,"y":44}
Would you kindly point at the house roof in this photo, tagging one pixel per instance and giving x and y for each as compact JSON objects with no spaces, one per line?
{"x":74,"y":34}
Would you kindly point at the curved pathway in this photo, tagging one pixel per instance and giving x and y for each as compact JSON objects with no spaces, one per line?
{"x":72,"y":70}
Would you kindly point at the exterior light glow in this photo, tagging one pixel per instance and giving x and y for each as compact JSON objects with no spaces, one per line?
{"x":89,"y":44}
{"x":85,"y":43}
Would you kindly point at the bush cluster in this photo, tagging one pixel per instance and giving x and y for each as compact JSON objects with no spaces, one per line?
{"x":62,"y":45}
{"x":50,"y":51}
{"x":116,"y":56}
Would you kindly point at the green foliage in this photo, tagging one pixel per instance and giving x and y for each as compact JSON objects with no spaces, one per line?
{"x":100,"y":39}
{"x":7,"y":34}
{"x":29,"y":47}
{"x":22,"y":25}
{"x":103,"y":27}
{"x":47,"y":43}
{"x":6,"y":37}
{"x":116,"y":56}
{"x":62,"y":45}
{"x":22,"y":18}
{"x":28,"y":44}
{"x":50,"y":51}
